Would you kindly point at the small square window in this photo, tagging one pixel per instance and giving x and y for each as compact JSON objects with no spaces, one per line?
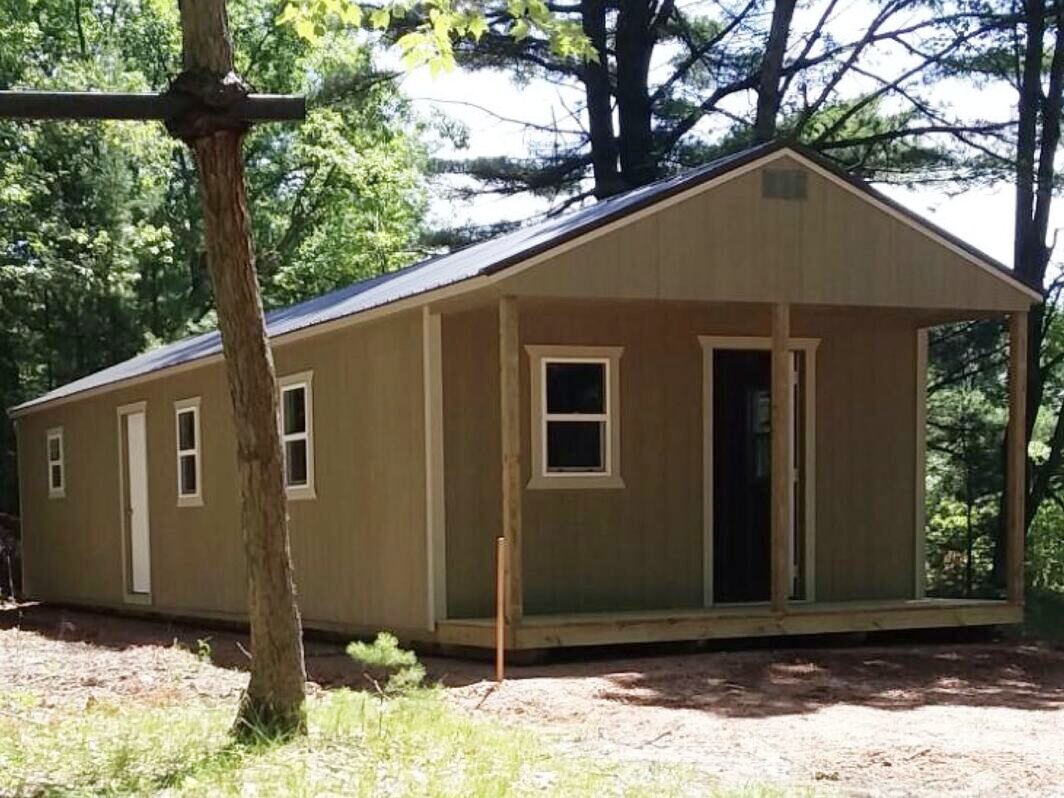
{"x":576,"y":445}
{"x":575,"y":440}
{"x":576,"y":387}
{"x":295,"y":454}
{"x":295,"y":410}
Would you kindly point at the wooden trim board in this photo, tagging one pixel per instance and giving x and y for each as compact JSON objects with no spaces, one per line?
{"x":547,"y":631}
{"x":435,"y":504}
{"x":920,"y":484}
{"x":1016,"y":466}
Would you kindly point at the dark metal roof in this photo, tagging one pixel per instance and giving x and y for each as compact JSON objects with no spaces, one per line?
{"x":485,"y":258}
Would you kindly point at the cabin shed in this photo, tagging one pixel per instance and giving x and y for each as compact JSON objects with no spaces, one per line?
{"x":694,"y":410}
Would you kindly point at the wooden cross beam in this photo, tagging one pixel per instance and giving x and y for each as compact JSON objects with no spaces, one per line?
{"x":143,"y":106}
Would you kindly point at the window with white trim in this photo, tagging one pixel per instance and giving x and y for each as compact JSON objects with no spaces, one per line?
{"x":297,"y":435}
{"x":56,"y":463}
{"x":575,"y":432}
{"x":187,"y":431}
{"x":576,"y":418}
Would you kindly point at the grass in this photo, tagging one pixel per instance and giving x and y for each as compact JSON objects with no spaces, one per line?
{"x":416,"y":744}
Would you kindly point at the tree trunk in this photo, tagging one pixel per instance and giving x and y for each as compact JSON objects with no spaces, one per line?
{"x":768,"y":87}
{"x":635,"y":45}
{"x":596,"y":79}
{"x":1037,"y":140}
{"x":274,"y":700}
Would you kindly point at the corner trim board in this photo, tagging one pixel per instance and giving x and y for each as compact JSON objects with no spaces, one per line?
{"x":435,"y":500}
{"x":920,"y":486}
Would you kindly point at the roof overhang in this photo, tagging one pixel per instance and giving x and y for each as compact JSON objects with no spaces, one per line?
{"x":505,"y":268}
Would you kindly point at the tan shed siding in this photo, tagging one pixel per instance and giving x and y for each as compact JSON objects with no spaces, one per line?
{"x":866,"y":458}
{"x":66,"y":541}
{"x":730,"y":244}
{"x":472,"y":442}
{"x":359,"y":547}
{"x":640,"y":547}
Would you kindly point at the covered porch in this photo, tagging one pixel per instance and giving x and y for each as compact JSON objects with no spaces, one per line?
{"x":792,"y":606}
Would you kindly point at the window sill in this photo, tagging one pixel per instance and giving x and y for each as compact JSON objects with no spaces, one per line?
{"x":189,"y":501}
{"x":143,"y":599}
{"x":575,"y":482}
{"x":58,"y":494}
{"x":300,"y":494}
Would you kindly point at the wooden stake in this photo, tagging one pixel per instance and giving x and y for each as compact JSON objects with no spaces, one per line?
{"x":782,"y":462}
{"x":1016,"y":467}
{"x":500,"y":608}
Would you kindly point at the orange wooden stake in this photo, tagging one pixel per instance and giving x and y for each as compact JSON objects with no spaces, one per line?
{"x":500,"y":609}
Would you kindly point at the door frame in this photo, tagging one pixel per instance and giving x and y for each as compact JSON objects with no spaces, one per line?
{"x":127,"y":568}
{"x":808,"y":347}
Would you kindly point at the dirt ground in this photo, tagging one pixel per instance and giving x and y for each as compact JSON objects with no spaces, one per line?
{"x":932,"y":718}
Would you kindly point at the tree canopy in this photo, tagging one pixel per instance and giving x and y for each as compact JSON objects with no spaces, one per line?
{"x":101,"y":246}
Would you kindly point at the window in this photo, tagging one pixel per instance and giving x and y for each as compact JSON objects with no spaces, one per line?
{"x":297,"y":435}
{"x":56,"y":463}
{"x":575,"y":425}
{"x":186,"y":417}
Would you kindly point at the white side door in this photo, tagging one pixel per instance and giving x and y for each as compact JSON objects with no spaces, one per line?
{"x":137,"y":510}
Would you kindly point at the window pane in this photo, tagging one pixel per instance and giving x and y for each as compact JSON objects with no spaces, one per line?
{"x":576,"y":446}
{"x":576,"y":387}
{"x":57,"y":476}
{"x":295,"y":458}
{"x":295,"y":410}
{"x":188,"y":474}
{"x":186,"y":430}
{"x":53,"y":449}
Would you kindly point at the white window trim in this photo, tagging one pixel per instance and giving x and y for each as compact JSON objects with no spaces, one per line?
{"x":609,"y":356}
{"x":191,"y":405}
{"x":55,"y":434}
{"x":304,"y":380}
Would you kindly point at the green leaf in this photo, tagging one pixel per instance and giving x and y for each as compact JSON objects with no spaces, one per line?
{"x":306,"y":29}
{"x":380,"y":18}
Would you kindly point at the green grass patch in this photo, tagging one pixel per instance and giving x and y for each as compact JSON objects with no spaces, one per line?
{"x":1044,"y":618}
{"x":358,"y":745}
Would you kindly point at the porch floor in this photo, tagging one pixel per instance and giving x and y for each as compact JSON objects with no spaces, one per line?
{"x":736,"y":621}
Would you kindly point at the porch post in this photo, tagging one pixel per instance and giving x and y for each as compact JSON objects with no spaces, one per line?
{"x":782,"y":465}
{"x":510,"y":415}
{"x":1016,"y":465}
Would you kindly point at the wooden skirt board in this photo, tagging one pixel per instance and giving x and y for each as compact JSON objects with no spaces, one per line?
{"x":590,"y":629}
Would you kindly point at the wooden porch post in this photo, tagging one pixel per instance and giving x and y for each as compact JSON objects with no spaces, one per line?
{"x":1016,"y":467}
{"x":782,"y":465}
{"x":510,"y":407}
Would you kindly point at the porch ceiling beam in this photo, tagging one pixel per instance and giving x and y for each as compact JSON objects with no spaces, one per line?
{"x":782,"y":463}
{"x":1016,"y":463}
{"x":510,"y":415}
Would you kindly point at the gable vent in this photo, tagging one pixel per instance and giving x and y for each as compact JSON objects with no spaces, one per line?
{"x":785,"y":184}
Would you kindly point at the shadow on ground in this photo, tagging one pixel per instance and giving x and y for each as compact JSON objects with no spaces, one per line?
{"x":905,"y":673}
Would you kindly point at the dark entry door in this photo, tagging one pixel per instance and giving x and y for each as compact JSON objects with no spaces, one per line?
{"x":742,"y":471}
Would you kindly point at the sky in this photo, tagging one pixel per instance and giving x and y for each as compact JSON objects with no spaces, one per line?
{"x":492,"y":108}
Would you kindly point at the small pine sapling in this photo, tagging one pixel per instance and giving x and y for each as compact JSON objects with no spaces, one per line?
{"x":397,"y":669}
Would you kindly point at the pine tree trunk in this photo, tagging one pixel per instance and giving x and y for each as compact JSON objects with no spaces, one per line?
{"x":274,"y":701}
{"x":768,"y":88}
